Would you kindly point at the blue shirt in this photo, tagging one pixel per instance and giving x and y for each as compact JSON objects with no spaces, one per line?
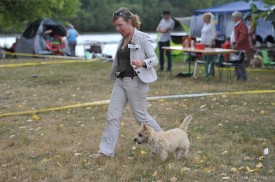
{"x":72,"y":35}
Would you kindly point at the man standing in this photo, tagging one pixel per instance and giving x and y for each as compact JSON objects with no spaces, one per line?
{"x":165,"y":27}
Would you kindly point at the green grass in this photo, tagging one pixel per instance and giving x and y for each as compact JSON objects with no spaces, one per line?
{"x":228,"y":134}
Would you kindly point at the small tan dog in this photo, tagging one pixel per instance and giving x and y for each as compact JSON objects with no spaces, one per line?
{"x":174,"y":140}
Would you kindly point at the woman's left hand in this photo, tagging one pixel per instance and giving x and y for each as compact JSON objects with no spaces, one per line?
{"x":137,"y":63}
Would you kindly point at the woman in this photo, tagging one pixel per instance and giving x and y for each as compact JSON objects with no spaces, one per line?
{"x":208,"y":34}
{"x":72,"y":34}
{"x":132,"y":71}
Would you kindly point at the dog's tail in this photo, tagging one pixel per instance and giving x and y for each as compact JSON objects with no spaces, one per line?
{"x":186,"y":122}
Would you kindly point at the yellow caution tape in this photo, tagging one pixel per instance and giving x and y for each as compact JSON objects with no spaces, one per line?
{"x":104,"y":102}
{"x":41,"y":56}
{"x":249,"y":92}
{"x":96,"y":103}
{"x":45,"y":63}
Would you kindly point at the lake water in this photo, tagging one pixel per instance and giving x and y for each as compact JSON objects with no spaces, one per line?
{"x":109,"y":42}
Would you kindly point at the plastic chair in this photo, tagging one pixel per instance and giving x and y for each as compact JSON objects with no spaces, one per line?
{"x":266,"y":60}
{"x":198,"y":60}
{"x":240,"y":67}
{"x":219,"y":62}
{"x":215,"y":59}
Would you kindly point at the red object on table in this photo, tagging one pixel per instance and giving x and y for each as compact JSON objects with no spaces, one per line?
{"x":199,"y":46}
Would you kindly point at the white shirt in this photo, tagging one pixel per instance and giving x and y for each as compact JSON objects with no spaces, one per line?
{"x":232,"y":38}
{"x":232,"y":35}
{"x":164,"y":24}
{"x":208,"y":33}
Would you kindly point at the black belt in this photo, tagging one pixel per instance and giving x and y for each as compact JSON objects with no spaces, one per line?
{"x":122,"y":75}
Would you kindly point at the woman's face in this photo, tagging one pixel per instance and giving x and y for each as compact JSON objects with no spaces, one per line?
{"x":122,"y":26}
{"x":206,"y":19}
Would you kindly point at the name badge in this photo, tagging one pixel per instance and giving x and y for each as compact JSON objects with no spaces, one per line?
{"x":131,"y":46}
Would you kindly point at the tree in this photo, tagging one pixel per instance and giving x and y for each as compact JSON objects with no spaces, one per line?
{"x":15,"y":14}
{"x":95,"y":15}
{"x":255,"y":13}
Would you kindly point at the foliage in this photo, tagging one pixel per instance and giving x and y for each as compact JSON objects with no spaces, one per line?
{"x":256,"y":14}
{"x":15,"y":14}
{"x":95,"y":15}
{"x":269,"y":1}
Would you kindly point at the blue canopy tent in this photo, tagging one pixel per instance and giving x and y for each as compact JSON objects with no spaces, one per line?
{"x":223,"y":15}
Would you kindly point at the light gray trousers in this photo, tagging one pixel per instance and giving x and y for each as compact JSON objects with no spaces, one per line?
{"x":125,"y":90}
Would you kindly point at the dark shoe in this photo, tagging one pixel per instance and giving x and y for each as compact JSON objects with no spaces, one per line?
{"x":237,"y":78}
{"x":212,"y":73}
{"x":160,"y":69}
{"x":243,"y":79}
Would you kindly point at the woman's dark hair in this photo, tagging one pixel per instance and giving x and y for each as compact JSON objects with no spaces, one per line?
{"x":165,"y":12}
{"x":125,"y":14}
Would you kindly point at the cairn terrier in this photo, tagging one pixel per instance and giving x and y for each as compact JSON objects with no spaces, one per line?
{"x":174,"y":141}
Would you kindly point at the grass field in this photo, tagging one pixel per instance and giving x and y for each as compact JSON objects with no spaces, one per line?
{"x":228,"y":134}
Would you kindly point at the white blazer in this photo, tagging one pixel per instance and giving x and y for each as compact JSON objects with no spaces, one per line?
{"x":142,"y":49}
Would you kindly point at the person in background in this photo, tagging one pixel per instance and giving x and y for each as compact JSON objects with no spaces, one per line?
{"x":251,"y":32}
{"x":251,"y":26}
{"x":132,"y":71}
{"x":165,"y":27}
{"x":208,"y":34}
{"x":252,"y":35}
{"x":72,"y":35}
{"x":241,"y":43}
